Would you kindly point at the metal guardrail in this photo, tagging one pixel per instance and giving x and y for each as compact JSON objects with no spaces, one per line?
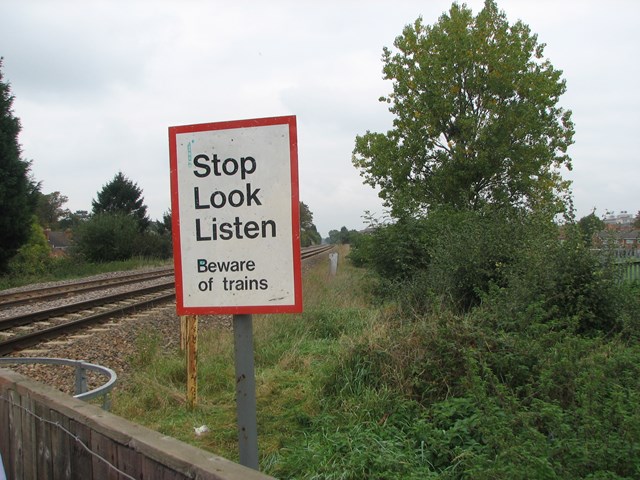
{"x":81,"y":376}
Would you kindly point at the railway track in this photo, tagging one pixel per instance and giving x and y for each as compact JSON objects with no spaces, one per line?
{"x":314,"y":250}
{"x":9,"y":299}
{"x":22,"y":330}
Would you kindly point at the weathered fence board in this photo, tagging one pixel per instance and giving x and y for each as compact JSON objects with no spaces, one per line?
{"x":43,"y":439}
{"x":81,"y":459}
{"x":47,"y":434}
{"x":29,"y":453}
{"x":15,"y":433}
{"x":61,"y":454}
{"x":633,"y":270}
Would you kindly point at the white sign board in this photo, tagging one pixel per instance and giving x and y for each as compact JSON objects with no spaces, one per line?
{"x":235,"y":216}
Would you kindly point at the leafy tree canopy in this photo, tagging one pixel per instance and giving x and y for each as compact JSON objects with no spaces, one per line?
{"x":121,"y":195}
{"x":476,"y":118}
{"x":342,"y":236}
{"x":308,"y":232}
{"x":50,"y":211}
{"x":17,"y":191}
{"x":589,"y":225}
{"x":71,"y":220}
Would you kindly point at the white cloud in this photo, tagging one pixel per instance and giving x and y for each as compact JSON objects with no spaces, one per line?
{"x":97,"y":84}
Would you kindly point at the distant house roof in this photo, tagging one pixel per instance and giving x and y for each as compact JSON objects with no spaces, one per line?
{"x":628,"y":235}
{"x":620,"y":236}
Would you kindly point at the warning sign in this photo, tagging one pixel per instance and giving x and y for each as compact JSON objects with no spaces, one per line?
{"x":235,"y":211}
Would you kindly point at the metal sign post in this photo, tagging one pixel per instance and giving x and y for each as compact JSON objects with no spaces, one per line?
{"x":245,"y":390}
{"x":236,"y":237}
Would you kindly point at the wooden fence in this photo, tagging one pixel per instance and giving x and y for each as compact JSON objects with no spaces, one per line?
{"x":47,"y":434}
{"x":628,"y":261}
{"x":630,"y":269}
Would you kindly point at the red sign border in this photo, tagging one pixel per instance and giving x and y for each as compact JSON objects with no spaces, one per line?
{"x":181,"y":309}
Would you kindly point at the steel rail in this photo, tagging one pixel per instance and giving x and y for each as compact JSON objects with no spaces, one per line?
{"x":23,"y":341}
{"x":23,"y":319}
{"x":315,"y":250}
{"x":42,"y":293}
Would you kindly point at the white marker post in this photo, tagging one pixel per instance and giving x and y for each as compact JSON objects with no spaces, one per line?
{"x":236,"y":234}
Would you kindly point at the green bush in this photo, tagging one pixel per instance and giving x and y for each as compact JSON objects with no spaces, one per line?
{"x":396,"y":251}
{"x":153,"y":245}
{"x":108,"y":237}
{"x":33,"y":258}
{"x":560,"y":284}
{"x":511,"y":260}
{"x":451,"y":257}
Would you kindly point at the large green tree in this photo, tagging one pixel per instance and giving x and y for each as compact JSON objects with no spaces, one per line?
{"x":589,"y":226}
{"x":50,"y":209}
{"x":342,"y":236}
{"x":477,"y":119}
{"x":308,"y":232}
{"x":122,"y":196}
{"x":71,"y":220}
{"x":17,"y":191}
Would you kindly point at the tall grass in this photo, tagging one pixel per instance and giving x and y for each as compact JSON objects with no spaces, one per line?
{"x":293,"y":353}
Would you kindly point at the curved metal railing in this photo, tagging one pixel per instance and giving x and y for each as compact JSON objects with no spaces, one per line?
{"x":81,"y":376}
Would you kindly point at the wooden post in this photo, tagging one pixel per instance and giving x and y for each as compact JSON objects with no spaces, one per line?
{"x":191,"y":327}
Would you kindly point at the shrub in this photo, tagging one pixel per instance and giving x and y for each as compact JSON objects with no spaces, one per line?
{"x":153,"y":245}
{"x":451,"y":256}
{"x":107,"y":237}
{"x":563,"y":284}
{"x":33,"y":258}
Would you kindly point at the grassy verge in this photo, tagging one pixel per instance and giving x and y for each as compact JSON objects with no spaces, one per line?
{"x":70,"y":268}
{"x":293,"y":354}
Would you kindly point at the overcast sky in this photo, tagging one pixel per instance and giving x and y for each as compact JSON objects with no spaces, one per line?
{"x":98,"y":83}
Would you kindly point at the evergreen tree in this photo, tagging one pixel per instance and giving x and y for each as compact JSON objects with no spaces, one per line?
{"x":17,"y":191}
{"x":121,"y":195}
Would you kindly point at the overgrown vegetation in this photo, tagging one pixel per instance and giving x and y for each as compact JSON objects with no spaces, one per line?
{"x":519,"y":352}
{"x":518,"y":384}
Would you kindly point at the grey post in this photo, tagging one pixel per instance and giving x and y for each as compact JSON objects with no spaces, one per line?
{"x":333,"y":263}
{"x":245,"y":391}
{"x":81,"y":378}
